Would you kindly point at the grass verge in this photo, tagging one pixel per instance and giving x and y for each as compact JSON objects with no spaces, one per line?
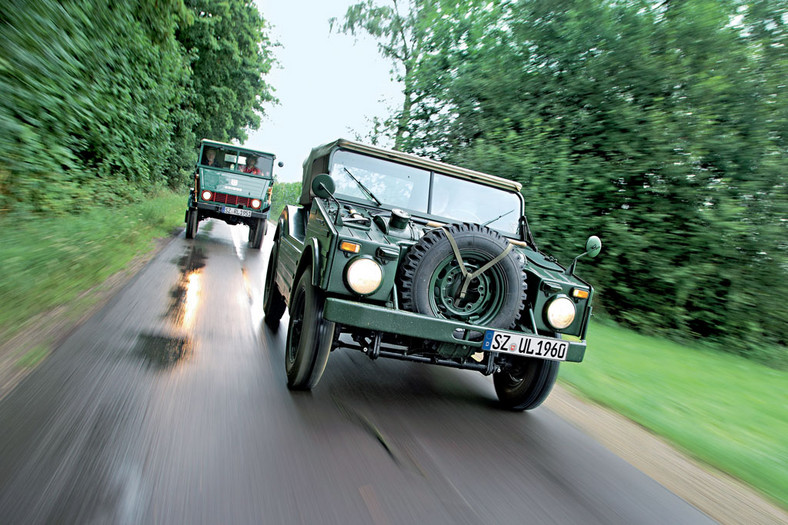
{"x":50,"y":262}
{"x":727,"y":411}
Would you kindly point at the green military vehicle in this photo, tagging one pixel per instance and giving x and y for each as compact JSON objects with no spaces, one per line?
{"x":232,"y":184}
{"x":407,"y":258}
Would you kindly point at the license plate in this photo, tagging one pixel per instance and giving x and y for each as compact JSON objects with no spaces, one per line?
{"x":236,"y":211}
{"x":525,"y":345}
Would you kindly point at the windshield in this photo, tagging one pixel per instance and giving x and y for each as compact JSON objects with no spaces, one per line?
{"x":237,"y":160}
{"x":366,"y":179}
{"x":464,"y":200}
{"x":395,"y":185}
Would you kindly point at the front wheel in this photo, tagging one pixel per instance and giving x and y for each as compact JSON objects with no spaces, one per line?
{"x":526,"y":384}
{"x":191,"y":224}
{"x":309,"y":336}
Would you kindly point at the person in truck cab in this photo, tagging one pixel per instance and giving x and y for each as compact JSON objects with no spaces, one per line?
{"x":210,"y":158}
{"x":250,"y":166}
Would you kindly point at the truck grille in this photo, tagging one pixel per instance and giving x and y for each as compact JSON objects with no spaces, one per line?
{"x":234,"y":200}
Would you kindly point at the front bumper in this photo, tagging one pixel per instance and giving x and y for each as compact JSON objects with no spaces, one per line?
{"x":215,"y":210}
{"x":388,"y":320}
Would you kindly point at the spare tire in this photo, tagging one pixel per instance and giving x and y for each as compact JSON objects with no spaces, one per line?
{"x":431,"y":279}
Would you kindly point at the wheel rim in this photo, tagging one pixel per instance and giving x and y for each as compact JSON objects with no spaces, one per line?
{"x":485,"y":294}
{"x":296,"y":326}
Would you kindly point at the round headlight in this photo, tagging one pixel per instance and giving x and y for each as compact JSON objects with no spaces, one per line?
{"x":206,"y":195}
{"x":255,"y":203}
{"x":560,"y":312}
{"x":363,"y":276}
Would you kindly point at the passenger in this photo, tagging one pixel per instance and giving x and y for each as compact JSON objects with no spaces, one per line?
{"x":250,"y":166}
{"x":210,"y":158}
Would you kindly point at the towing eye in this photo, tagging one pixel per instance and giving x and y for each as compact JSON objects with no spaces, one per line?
{"x":468,"y":277}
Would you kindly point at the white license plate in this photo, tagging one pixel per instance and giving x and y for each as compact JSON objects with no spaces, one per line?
{"x":525,"y":345}
{"x":236,"y":211}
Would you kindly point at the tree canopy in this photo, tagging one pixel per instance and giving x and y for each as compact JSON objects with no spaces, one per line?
{"x":104,"y":101}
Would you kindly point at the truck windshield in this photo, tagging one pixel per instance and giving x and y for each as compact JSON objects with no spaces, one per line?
{"x":237,"y":160}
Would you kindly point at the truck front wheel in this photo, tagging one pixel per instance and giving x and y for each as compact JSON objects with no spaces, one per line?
{"x":309,"y":336}
{"x":191,"y":224}
{"x":256,"y":234}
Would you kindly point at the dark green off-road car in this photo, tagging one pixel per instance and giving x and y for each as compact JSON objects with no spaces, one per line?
{"x":407,"y":258}
{"x":234,"y":185}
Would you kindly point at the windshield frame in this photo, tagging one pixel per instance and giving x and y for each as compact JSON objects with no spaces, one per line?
{"x":427,"y":211}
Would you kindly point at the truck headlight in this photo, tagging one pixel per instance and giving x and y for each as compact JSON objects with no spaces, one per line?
{"x":256,"y":203}
{"x":560,"y":312}
{"x":363,"y":276}
{"x":206,"y":195}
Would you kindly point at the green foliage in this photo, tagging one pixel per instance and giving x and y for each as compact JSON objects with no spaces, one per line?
{"x":284,"y":193}
{"x":725,"y":410}
{"x":230,"y":53}
{"x":659,"y":127}
{"x":100,"y":101}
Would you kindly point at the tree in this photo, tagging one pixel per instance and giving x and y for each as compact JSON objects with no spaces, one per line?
{"x":230,"y":54}
{"x":400,"y":38}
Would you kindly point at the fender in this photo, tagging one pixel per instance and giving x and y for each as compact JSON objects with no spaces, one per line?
{"x":309,"y":257}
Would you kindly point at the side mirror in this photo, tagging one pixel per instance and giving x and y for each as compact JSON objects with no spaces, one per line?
{"x":280,"y":164}
{"x":593,"y":246}
{"x":323,"y":186}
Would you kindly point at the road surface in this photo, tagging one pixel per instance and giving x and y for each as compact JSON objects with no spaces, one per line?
{"x":170,"y":406}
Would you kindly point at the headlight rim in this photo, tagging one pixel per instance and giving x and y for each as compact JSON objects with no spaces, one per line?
{"x":551,"y":303}
{"x":350,"y":265}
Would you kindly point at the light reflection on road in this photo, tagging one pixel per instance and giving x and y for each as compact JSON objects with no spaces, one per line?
{"x":191,"y":299}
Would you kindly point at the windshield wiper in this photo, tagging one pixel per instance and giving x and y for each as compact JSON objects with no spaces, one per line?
{"x":501,"y":216}
{"x":363,"y":188}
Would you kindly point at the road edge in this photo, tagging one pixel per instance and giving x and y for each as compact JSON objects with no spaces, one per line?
{"x":720,"y":496}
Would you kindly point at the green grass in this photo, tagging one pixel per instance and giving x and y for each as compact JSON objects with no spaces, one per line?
{"x":48,"y":262}
{"x":729,"y":412}
{"x":33,"y":356}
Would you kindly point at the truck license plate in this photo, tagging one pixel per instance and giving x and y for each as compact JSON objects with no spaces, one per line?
{"x":236,"y":211}
{"x":525,"y":345}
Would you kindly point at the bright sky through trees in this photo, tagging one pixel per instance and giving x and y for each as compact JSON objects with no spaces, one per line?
{"x":329,"y":85}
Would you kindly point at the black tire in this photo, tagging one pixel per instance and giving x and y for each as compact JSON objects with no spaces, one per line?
{"x":191,"y":224}
{"x":526,"y":384}
{"x":273,"y":300}
{"x":309,"y":336}
{"x":256,"y":234}
{"x":431,"y":278}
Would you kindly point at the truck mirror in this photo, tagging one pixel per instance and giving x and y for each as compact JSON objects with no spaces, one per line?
{"x":593,"y":246}
{"x":323,"y":186}
{"x":280,"y":164}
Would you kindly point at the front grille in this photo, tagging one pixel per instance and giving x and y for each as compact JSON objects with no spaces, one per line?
{"x":234,"y":200}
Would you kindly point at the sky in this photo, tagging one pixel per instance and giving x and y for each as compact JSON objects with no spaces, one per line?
{"x":329,"y":85}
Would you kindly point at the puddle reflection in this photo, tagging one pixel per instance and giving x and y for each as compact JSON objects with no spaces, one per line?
{"x":185,"y":295}
{"x":161,"y":351}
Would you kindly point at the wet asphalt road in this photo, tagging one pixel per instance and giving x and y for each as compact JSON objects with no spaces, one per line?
{"x":170,"y":406}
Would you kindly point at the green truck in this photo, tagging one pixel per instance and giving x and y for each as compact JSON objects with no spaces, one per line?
{"x":402,"y":257}
{"x":232,"y":184}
